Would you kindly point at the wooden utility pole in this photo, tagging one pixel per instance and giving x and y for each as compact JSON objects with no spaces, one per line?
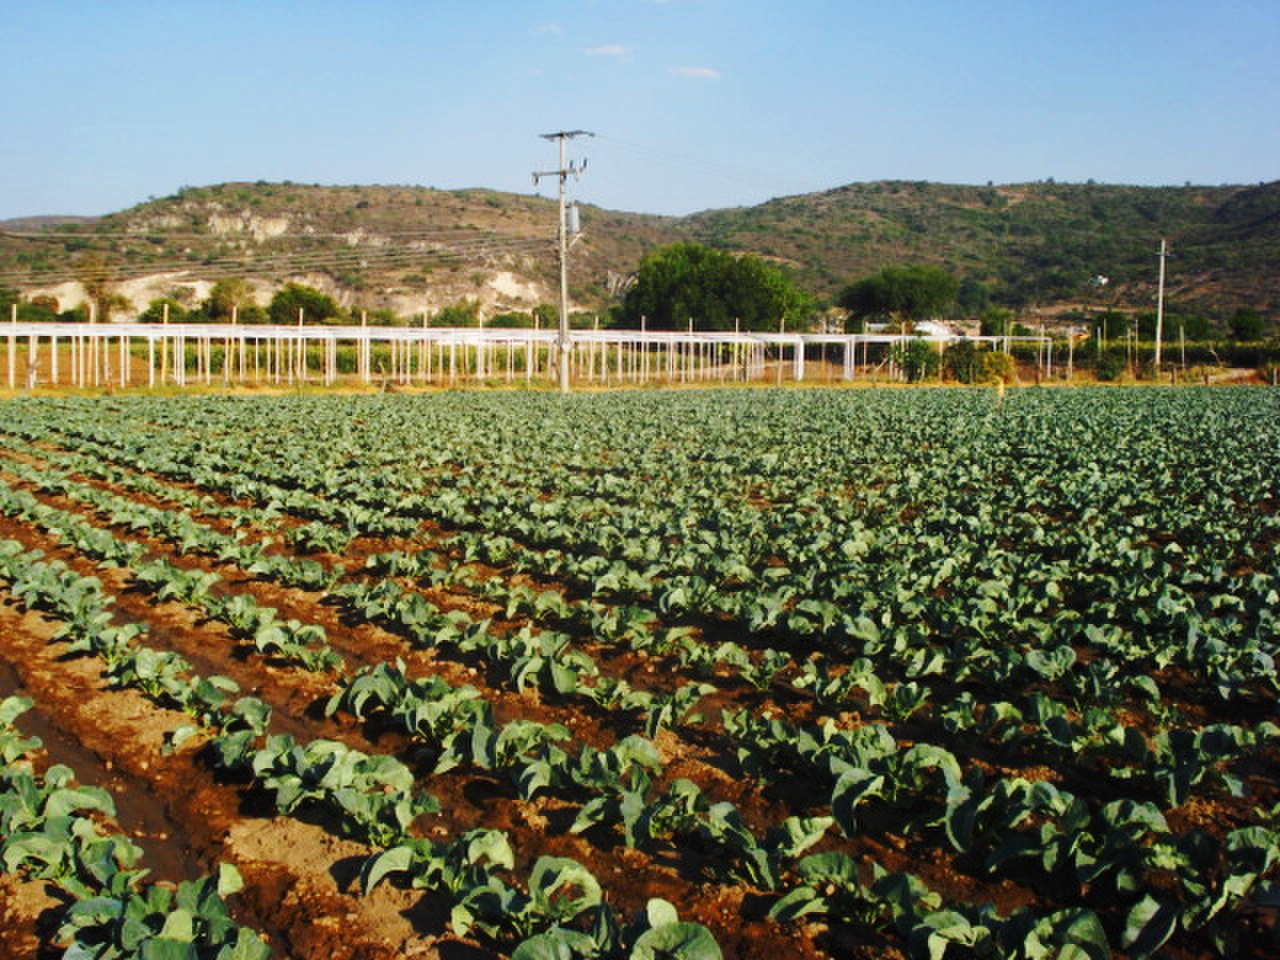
{"x":1163,"y":255}
{"x":563,"y":172}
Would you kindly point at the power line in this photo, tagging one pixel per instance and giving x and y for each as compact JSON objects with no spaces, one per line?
{"x":766,"y":182}
{"x":217,"y":271}
{"x":152,"y":235}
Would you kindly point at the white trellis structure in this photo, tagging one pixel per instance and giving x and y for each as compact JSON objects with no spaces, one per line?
{"x":133,"y":355}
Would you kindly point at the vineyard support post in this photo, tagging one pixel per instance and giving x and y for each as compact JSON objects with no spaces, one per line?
{"x":164,"y":343}
{"x":364,"y":346}
{"x":240,"y":344}
{"x":643,"y":368}
{"x":91,"y":370}
{"x":104,"y":352}
{"x":13,"y":347}
{"x":424,"y":350}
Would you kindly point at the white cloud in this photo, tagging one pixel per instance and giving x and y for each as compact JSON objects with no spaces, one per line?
{"x":698,"y":73}
{"x":608,"y":50}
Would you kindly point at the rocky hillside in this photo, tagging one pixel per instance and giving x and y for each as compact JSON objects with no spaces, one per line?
{"x":415,"y":249}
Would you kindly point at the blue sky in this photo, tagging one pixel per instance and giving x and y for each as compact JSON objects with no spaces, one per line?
{"x":695,"y":103}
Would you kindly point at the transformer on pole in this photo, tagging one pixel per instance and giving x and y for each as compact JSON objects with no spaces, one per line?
{"x":563,"y":172}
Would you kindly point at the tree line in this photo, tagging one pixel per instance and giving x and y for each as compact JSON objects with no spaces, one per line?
{"x":234,"y":300}
{"x":683,"y":285}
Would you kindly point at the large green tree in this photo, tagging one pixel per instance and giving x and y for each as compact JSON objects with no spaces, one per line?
{"x":1247,"y":324}
{"x":155,"y":312}
{"x":316,"y":306}
{"x":687,"y":281}
{"x":229,"y":295}
{"x":901,"y":293}
{"x":463,"y":313}
{"x":37,"y":309}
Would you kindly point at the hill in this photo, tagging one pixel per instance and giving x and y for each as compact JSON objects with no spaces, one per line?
{"x":415,"y":249}
{"x":1028,"y":244}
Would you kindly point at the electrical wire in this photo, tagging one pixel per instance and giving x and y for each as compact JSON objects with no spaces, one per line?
{"x":63,"y":235}
{"x":764,"y":182}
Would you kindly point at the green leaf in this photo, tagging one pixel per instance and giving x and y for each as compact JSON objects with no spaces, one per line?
{"x":676,"y":941}
{"x":78,"y":800}
{"x":1052,"y":664}
{"x":461,"y":920}
{"x":1149,"y":924}
{"x":945,"y":927}
{"x":659,"y":912}
{"x":493,"y":846}
{"x":555,"y":944}
{"x":229,"y":880}
{"x":394,"y":860}
{"x":179,"y":926}
{"x":562,"y":888}
{"x":13,"y":707}
{"x":33,"y":847}
{"x":133,"y":933}
{"x":798,"y":903}
{"x":795,"y":835}
{"x":850,"y":791}
{"x":1082,"y":937}
{"x":246,"y":947}
{"x":168,"y":950}
{"x":180,"y":735}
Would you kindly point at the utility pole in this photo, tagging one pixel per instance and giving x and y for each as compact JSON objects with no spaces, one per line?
{"x":563,"y":172}
{"x":1163,"y":255}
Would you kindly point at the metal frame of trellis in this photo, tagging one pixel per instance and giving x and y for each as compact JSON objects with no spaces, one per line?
{"x":134,"y":355}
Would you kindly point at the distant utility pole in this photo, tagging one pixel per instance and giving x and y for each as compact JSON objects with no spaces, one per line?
{"x":1163,"y":255}
{"x":563,"y":173}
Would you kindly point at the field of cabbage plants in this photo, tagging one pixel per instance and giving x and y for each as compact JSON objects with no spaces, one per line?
{"x":723,"y":673}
